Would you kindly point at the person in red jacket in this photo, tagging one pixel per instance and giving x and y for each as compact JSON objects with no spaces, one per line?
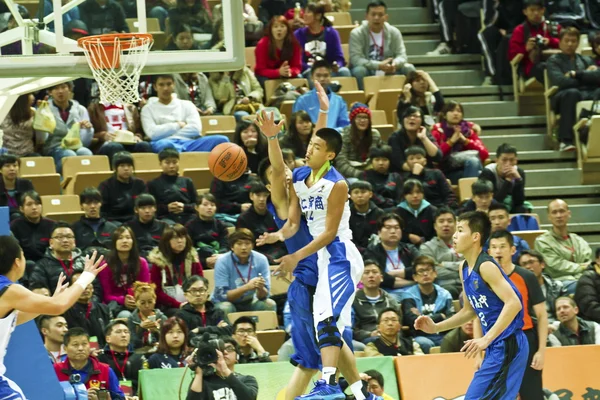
{"x":454,"y":136}
{"x":278,"y":54}
{"x":531,"y":38}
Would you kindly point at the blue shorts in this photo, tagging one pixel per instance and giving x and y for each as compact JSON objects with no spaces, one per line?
{"x":9,"y":390}
{"x":502,"y":370}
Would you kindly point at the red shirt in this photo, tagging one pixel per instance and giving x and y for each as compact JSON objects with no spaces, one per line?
{"x":268,"y":67}
{"x":517,"y":42}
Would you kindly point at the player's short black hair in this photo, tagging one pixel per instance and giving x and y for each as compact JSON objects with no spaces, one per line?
{"x":503,"y":234}
{"x":262,"y":170}
{"x":386,"y":217}
{"x":478,"y":222}
{"x":498,"y":206}
{"x":375,"y":375}
{"x":258,"y":187}
{"x":122,"y":158}
{"x":74,"y":332}
{"x":376,"y":3}
{"x":145,"y":200}
{"x":33,"y":195}
{"x":168,"y":153}
{"x":112,"y":324}
{"x":389,"y":309}
{"x":443,"y":210}
{"x":322,"y":63}
{"x":410,"y":185}
{"x":187,"y":284}
{"x":155,"y":78}
{"x":332,"y":138}
{"x":10,"y":250}
{"x":9,"y":159}
{"x":90,"y":195}
{"x":360,"y":185}
{"x":482,"y":186}
{"x":381,"y":151}
{"x":414,"y":150}
{"x":244,"y":320}
{"x":506,"y":148}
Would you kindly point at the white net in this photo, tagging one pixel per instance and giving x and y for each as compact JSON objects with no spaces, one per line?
{"x":117,"y":62}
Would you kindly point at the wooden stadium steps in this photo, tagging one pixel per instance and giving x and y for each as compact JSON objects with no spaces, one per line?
{"x":406,"y":15}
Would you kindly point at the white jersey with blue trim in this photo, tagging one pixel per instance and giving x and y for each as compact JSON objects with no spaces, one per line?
{"x":7,"y":325}
{"x":314,"y":201}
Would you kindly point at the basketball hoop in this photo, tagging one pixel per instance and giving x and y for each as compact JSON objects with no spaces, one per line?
{"x":116,"y":61}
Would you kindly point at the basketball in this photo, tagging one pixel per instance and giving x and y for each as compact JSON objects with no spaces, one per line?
{"x":227,"y":162}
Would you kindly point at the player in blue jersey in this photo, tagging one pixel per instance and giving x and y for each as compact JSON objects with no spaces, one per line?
{"x":300,"y":294}
{"x":19,"y":305}
{"x":492,"y":297}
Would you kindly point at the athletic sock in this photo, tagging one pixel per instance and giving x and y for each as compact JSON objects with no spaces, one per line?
{"x":357,"y":390}
{"x":329,"y":375}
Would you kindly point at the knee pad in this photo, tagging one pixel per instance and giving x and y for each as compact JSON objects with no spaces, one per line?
{"x":328,"y":334}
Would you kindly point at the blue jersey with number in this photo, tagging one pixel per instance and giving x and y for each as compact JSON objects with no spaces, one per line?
{"x":485,"y":302}
{"x":306,"y":271}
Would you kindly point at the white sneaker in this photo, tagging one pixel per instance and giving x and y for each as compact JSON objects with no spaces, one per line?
{"x":566,"y":147}
{"x":441,"y":49}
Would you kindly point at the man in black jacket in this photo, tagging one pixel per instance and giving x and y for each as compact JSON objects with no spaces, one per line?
{"x":117,"y":354}
{"x":92,"y":232}
{"x":234,"y":196}
{"x":103,"y":16}
{"x":387,"y":186}
{"x":208,"y":233}
{"x":120,"y":190}
{"x":146,"y":228}
{"x":12,"y":187}
{"x":587,"y":294}
{"x":363,"y":213}
{"x":175,"y":195}
{"x":577,"y":78}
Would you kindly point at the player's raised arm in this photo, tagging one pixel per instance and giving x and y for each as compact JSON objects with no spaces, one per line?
{"x":277,"y":179}
{"x":323,"y":107}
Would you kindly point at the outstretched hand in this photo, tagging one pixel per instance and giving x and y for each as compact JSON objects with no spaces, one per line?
{"x":425,"y":324}
{"x":61,"y":285}
{"x":92,"y":265}
{"x":269,"y":238}
{"x":266,"y":123}
{"x":322,"y":95}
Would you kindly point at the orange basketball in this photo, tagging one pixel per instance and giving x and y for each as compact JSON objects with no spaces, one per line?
{"x":227,"y":162}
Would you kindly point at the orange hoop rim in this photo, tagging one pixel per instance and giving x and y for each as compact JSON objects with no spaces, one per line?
{"x":108,"y":39}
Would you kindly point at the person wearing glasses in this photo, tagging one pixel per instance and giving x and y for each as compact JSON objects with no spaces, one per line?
{"x":426,"y":298}
{"x":391,"y":341}
{"x":199,"y":313}
{"x":250,"y":349}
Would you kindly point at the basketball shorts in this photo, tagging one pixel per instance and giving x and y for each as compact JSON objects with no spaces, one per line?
{"x":10,"y":390}
{"x":502,"y":370}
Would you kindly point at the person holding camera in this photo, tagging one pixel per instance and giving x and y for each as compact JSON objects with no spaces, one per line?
{"x":531,"y":38}
{"x":218,"y":380}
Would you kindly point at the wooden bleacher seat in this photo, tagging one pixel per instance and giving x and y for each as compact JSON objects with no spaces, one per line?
{"x":45,"y":184}
{"x":271,"y":340}
{"x":373,"y":84}
{"x":193,"y":160}
{"x":230,"y":230}
{"x":464,"y":188}
{"x":353,"y":96}
{"x":346,"y":51}
{"x":551,"y":117}
{"x":272,"y":84}
{"x":528,"y":93}
{"x":218,"y":125}
{"x":63,"y":207}
{"x":91,"y":169}
{"x":265,"y":320}
{"x":387,"y":100}
{"x":344,"y":31}
{"x":250,"y":57}
{"x":201,"y":177}
{"x":37,"y":166}
{"x":588,"y":155}
{"x":529,"y":236}
{"x":85,"y":180}
{"x":280,"y":284}
{"x":435,"y":350}
{"x":456,"y":304}
{"x":148,"y":175}
{"x":339,"y":18}
{"x":152,"y":25}
{"x":286,"y":109}
{"x":379,"y":121}
{"x":145,"y":161}
{"x":348,"y":83}
{"x":209,"y":274}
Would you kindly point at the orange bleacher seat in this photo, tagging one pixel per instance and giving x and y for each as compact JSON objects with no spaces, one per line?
{"x":80,"y":172}
{"x":271,"y":340}
{"x":45,"y":184}
{"x":218,"y":125}
{"x":379,"y":121}
{"x":64,"y":207}
{"x":201,"y":177}
{"x":250,"y":57}
{"x":146,"y":161}
{"x":37,"y":166}
{"x":193,"y":160}
{"x":148,"y":175}
{"x":464,"y":188}
{"x":373,"y":84}
{"x":344,"y":31}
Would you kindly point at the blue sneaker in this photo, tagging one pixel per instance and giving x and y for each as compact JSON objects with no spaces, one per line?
{"x":324,"y":391}
{"x":374,"y":397}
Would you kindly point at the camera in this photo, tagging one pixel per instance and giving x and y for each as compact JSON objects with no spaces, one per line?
{"x":539,"y":41}
{"x":206,"y":352}
{"x":335,"y":86}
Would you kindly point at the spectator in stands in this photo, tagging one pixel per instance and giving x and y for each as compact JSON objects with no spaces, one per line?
{"x":531,"y":38}
{"x":146,"y":228}
{"x":417,"y":214}
{"x":573,"y":330}
{"x":194,"y":86}
{"x":92,"y":232}
{"x":253,"y":27}
{"x":60,"y":257}
{"x":242,"y":277}
{"x":88,"y":313}
{"x":387,"y":186}
{"x":145,"y":321}
{"x":552,"y":289}
{"x":175,"y":195}
{"x":278,"y":54}
{"x":500,"y":220}
{"x":11,"y":186}
{"x":250,"y":349}
{"x":199,"y":313}
{"x":271,"y":8}
{"x":120,"y":191}
{"x":208,"y":234}
{"x":455,"y":340}
{"x":173,"y":123}
{"x":391,"y":341}
{"x":109,"y":120}
{"x":458,"y":139}
{"x":117,"y":354}
{"x":421,"y":91}
{"x":448,"y":15}
{"x":375,"y":384}
{"x":358,"y":139}
{"x":440,"y":249}
{"x":426,"y":298}
{"x":395,"y":258}
{"x":72,"y":14}
{"x":39,"y":288}
{"x":19,"y":137}
{"x":182,"y":38}
{"x":195,"y":13}
{"x":32,"y":230}
{"x":94,"y":374}
{"x":172,"y":346}
{"x":258,"y":220}
{"x":376,"y":47}
{"x":174,"y":260}
{"x":217,"y":40}
{"x":247,"y":136}
{"x":233,"y":197}
{"x":369,"y":302}
{"x":125,"y":267}
{"x":66,"y":113}
{"x":435,"y":185}
{"x":338,"y":109}
{"x":567,"y":255}
{"x":587,"y":293}
{"x":508,"y":179}
{"x":53,"y":329}
{"x":577,"y":78}
{"x":412,"y":133}
{"x":298,"y":134}
{"x":482,"y":192}
{"x":104,"y":16}
{"x":319,"y":40}
{"x":237,"y":93}
{"x":363,"y":213}
{"x":595,"y":43}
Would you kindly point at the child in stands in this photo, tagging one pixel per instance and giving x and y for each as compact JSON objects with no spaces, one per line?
{"x":387,"y":186}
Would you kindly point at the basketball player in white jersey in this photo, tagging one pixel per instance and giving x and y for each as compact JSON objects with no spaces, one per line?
{"x":19,"y":305}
